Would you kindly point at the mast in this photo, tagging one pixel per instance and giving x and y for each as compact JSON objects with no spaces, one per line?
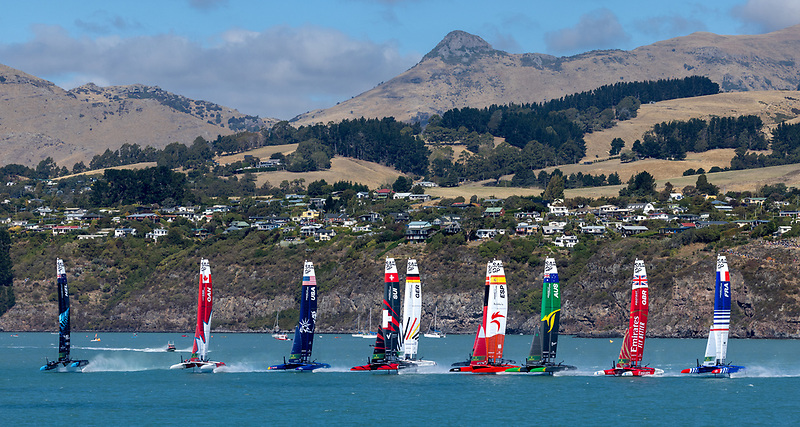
{"x":479,"y":355}
{"x":545,"y":338}
{"x":717,"y":347}
{"x":63,"y":311}
{"x":304,"y":331}
{"x":387,"y":344}
{"x":633,"y":344}
{"x":412,"y":310}
{"x":497,"y":310}
{"x":204,"y":303}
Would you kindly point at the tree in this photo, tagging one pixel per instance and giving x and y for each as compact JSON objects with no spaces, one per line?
{"x":7,"y":299}
{"x":642,"y":185}
{"x":616,"y":146}
{"x":704,"y":187}
{"x":555,"y":188}
{"x":402,"y":184}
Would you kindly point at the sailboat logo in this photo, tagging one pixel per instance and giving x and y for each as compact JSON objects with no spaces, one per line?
{"x":495,"y":316}
{"x":305,"y":326}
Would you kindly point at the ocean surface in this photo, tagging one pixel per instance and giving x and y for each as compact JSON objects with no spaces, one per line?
{"x":128,"y":382}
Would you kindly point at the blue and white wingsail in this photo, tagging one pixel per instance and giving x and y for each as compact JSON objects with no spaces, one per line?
{"x":717,"y":345}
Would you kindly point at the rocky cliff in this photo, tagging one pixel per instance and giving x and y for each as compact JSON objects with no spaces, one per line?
{"x":254,"y":280}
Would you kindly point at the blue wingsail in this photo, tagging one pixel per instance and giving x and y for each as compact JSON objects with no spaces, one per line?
{"x":304,"y":331}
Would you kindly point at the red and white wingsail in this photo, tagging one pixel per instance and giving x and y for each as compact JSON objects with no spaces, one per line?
{"x":204,"y":307}
{"x":633,"y":344}
{"x":497,"y":310}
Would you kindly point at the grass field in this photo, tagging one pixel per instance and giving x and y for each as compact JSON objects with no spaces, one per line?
{"x":370,"y":174}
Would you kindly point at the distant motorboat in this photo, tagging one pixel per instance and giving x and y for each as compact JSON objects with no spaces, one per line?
{"x":171,"y":346}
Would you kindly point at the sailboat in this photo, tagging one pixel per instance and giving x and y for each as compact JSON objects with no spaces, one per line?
{"x":545,"y":339}
{"x":278,"y":335}
{"x":199,"y":359}
{"x":63,"y":327}
{"x":300,"y":357}
{"x":630,"y":356}
{"x":412,"y":311}
{"x":387,"y":343}
{"x":717,"y":347}
{"x":487,"y":350}
{"x":365,"y":334}
{"x":432,"y":331}
{"x":95,"y":339}
{"x":370,"y":334}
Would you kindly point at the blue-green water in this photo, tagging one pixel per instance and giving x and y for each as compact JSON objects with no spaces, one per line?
{"x":128,"y":383}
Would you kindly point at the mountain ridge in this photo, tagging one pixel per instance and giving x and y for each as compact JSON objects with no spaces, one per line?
{"x":38,"y":119}
{"x":465,"y":71}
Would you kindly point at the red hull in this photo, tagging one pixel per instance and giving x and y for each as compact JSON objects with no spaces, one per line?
{"x":483,"y":369}
{"x":630,"y":372}
{"x":379,"y":367}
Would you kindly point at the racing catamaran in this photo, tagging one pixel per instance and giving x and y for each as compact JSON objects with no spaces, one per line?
{"x":300,"y":358}
{"x":487,"y":351}
{"x":63,"y":327}
{"x":717,"y":348}
{"x":199,"y":359}
{"x":630,"y":356}
{"x":412,"y":311}
{"x":545,"y":339}
{"x":387,"y":343}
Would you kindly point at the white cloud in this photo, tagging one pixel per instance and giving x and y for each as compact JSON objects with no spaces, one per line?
{"x":767,"y":15}
{"x":280,"y":72}
{"x":599,"y":29}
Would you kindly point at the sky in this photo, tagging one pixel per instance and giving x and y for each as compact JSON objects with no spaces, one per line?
{"x":279,"y":59}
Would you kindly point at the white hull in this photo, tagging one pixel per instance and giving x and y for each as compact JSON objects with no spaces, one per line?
{"x":196,"y":366}
{"x":414,"y":365}
{"x":433,"y":335}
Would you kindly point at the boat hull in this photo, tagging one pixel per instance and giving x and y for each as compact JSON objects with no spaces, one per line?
{"x":637,"y":371}
{"x":715,"y":371}
{"x":65,"y":366}
{"x":483,"y":369}
{"x":387,"y":368}
{"x":199,"y":365}
{"x":298,"y":367}
{"x":547,"y":369}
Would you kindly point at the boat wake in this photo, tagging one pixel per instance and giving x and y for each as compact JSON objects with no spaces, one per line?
{"x":241,"y":367}
{"x":142,"y":350}
{"x":766,"y":372}
{"x":117,"y":364}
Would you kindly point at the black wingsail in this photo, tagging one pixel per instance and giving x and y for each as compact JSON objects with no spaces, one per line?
{"x":64,"y":360}
{"x":63,"y":312}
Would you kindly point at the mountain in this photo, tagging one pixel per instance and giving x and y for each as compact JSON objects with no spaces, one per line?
{"x":464,"y":70}
{"x":39,"y":119}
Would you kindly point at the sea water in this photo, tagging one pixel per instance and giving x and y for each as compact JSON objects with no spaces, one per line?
{"x":128,"y":382}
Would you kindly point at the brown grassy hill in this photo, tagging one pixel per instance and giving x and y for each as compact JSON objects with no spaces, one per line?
{"x":772,"y":106}
{"x":39,"y":119}
{"x":464,"y":70}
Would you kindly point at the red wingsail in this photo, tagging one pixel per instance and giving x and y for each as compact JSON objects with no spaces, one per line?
{"x":633,"y":345}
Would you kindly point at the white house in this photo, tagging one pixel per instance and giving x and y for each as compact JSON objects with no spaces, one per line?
{"x":566,"y":241}
{"x":122,"y":232}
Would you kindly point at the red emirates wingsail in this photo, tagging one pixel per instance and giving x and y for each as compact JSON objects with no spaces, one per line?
{"x":630,"y":356}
